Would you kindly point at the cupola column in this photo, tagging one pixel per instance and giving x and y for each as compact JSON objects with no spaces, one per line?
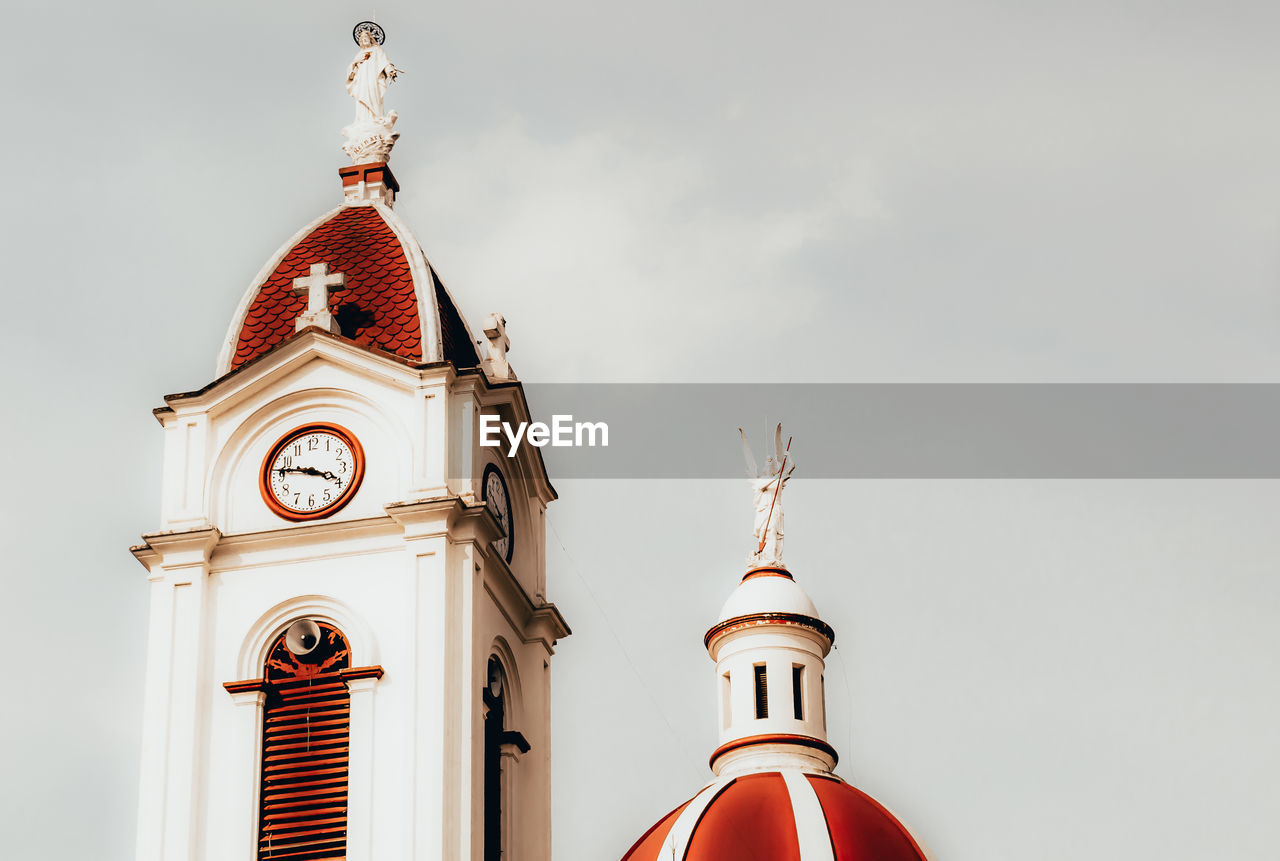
{"x":770,"y":650}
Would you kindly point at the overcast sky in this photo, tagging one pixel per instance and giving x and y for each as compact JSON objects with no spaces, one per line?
{"x":928,"y":191}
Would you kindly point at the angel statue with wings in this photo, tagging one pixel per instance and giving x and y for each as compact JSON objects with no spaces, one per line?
{"x":767,"y":487}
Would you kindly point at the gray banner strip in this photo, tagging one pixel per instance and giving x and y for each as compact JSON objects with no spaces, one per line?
{"x":921,"y":431}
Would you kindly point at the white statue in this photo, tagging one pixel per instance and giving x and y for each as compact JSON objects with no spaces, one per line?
{"x":367,"y":78}
{"x":370,"y":138}
{"x":767,"y":487}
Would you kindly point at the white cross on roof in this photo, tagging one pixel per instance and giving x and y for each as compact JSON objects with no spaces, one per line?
{"x":317,"y":286}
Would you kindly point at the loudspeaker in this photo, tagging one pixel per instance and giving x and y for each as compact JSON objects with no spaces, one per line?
{"x":495,"y":678}
{"x":302,"y":637}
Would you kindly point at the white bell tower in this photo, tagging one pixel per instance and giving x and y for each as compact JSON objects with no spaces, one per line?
{"x":349,"y":636}
{"x":770,"y":649}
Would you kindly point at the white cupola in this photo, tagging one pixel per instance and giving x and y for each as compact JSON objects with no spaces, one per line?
{"x":775,"y":794}
{"x":770,"y":649}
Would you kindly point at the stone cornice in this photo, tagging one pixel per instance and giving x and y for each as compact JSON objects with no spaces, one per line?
{"x":536,"y":622}
{"x":774,"y":739}
{"x":757,"y":620}
{"x":295,"y":351}
{"x":175,"y":551}
{"x":258,"y":685}
{"x":446,"y":515}
{"x":474,"y":523}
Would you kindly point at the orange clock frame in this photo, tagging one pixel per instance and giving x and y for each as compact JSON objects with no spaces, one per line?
{"x":264,"y":482}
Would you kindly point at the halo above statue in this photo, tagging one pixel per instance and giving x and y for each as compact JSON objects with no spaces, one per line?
{"x":373,"y":29}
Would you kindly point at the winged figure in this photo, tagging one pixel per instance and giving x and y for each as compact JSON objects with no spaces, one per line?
{"x":767,"y":486}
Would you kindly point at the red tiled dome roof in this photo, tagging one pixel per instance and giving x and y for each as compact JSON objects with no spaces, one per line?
{"x":378,"y":308}
{"x":779,"y":816}
{"x":386,"y":274}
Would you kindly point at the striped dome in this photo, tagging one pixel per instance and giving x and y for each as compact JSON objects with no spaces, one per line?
{"x":779,"y":816}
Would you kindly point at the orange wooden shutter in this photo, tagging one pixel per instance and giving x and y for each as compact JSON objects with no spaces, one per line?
{"x":305,"y":738}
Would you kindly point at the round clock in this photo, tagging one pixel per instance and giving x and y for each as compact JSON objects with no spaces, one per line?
{"x":312,"y":471}
{"x":499,"y":502}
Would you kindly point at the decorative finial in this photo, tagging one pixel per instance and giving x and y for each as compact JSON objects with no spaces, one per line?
{"x":495,"y":332}
{"x":767,"y":489}
{"x":370,"y":137}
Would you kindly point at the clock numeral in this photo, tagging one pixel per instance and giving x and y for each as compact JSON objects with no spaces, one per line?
{"x":296,"y":497}
{"x":311,"y":500}
{"x":312,"y":443}
{"x":340,"y":451}
{"x":286,"y":461}
{"x":327,"y":496}
{"x":284,"y":488}
{"x":343,"y":464}
{"x":297,"y":449}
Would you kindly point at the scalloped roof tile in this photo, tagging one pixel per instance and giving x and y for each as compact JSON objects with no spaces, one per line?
{"x":378,"y":308}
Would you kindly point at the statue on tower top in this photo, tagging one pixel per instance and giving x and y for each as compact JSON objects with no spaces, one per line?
{"x":370,"y":137}
{"x":767,"y":488}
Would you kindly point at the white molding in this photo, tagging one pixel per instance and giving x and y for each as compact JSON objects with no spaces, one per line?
{"x":811,"y":823}
{"x":677,"y":842}
{"x":361,"y":759}
{"x":500,"y":649}
{"x":420,"y":269}
{"x":258,"y":639}
{"x":288,"y":409}
{"x":228,"y":351}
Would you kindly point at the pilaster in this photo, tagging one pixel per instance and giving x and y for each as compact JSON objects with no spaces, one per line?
{"x":514,"y":812}
{"x":361,"y":809}
{"x":175,"y":702}
{"x":249,"y":701}
{"x":431,"y":606}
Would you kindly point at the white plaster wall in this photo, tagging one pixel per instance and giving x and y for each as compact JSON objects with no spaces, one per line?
{"x":528,"y":711}
{"x":215,"y":442}
{"x":359,"y":585}
{"x":528,"y":514}
{"x":377,"y":413}
{"x":408,"y":590}
{"x":779,"y":648}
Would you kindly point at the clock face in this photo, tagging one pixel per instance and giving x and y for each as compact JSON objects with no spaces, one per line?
{"x":499,"y":501}
{"x":312,"y":472}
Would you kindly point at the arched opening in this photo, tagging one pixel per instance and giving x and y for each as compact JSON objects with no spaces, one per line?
{"x":502,"y":747}
{"x":302,"y":813}
{"x":495,"y":700}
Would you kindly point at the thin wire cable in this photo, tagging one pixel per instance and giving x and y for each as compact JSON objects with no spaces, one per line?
{"x":848,"y":696}
{"x":686,"y":756}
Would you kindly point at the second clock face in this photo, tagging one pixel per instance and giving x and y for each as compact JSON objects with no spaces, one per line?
{"x":312,"y":472}
{"x":499,"y":501}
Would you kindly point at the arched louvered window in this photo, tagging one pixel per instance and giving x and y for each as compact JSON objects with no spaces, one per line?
{"x":495,"y":700}
{"x":502,"y":745}
{"x":302,"y":808}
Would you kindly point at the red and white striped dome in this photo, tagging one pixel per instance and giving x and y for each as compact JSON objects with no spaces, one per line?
{"x":779,"y":816}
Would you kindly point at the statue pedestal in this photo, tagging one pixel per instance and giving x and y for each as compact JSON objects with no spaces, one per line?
{"x":371,"y":140}
{"x":773,"y":570}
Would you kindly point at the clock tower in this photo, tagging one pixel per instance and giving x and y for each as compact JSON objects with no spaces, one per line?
{"x":349,"y":636}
